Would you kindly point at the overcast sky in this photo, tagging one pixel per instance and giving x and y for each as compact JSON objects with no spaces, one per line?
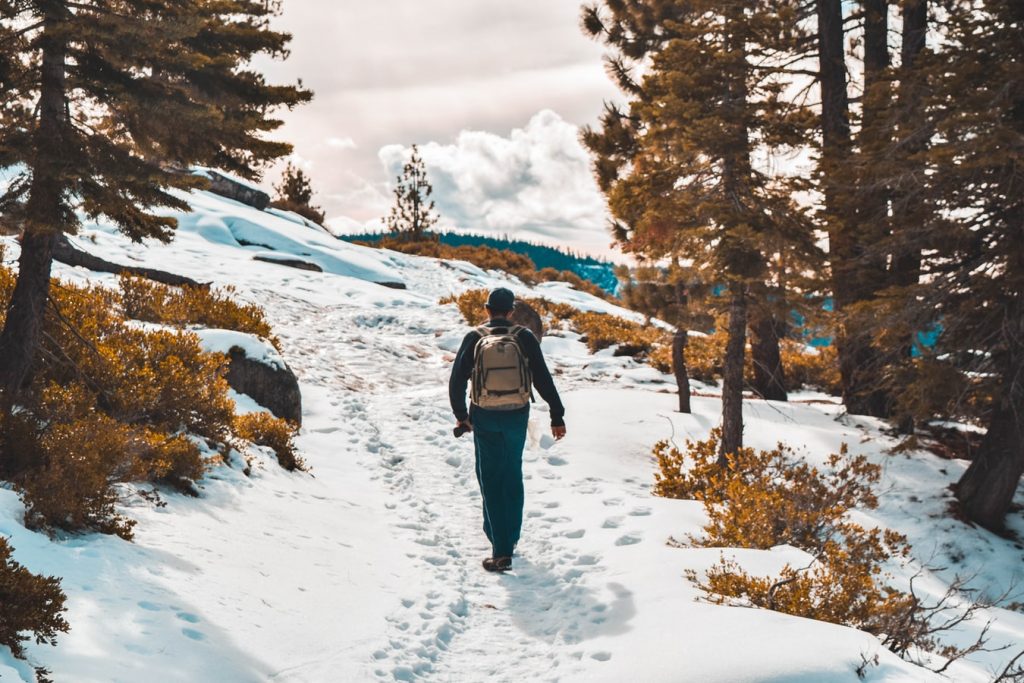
{"x":493,"y":92}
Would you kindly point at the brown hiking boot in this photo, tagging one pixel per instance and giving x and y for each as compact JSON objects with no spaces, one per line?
{"x":497,"y":564}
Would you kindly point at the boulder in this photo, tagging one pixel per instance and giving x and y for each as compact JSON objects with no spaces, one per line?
{"x":273,"y":385}
{"x":240,"y":192}
{"x":524,"y":314}
{"x":290,"y":261}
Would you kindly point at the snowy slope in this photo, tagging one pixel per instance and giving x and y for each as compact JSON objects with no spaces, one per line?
{"x":368,"y":568}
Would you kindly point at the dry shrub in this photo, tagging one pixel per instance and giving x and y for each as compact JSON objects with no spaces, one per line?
{"x":113,"y":403}
{"x":29,"y":604}
{"x":471,"y":305}
{"x":154,"y":302}
{"x":704,"y":355}
{"x":597,"y":330}
{"x":263,"y":429}
{"x":808,"y":369}
{"x":489,"y":258}
{"x":761,"y":499}
{"x":601,"y":331}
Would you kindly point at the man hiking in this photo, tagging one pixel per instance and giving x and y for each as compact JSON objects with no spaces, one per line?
{"x":503,"y":360}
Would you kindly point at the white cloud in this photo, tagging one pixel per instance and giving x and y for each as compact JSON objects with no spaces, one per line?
{"x":341,"y":143}
{"x":535,"y":184}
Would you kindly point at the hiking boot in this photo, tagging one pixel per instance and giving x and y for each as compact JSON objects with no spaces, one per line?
{"x":498,"y":564}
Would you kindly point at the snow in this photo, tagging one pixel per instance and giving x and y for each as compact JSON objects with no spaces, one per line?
{"x":254,"y":348}
{"x":367,"y":568}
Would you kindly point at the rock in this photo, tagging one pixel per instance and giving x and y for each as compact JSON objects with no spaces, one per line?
{"x":392,"y":285}
{"x":291,"y":262}
{"x":240,"y":192}
{"x":274,"y":387}
{"x":525,"y":315}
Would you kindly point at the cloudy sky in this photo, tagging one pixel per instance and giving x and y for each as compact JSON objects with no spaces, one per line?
{"x":493,"y":92}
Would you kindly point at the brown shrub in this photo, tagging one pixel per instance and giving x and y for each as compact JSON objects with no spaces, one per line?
{"x":489,"y":258}
{"x":113,"y":403}
{"x":807,"y":369}
{"x":761,"y":499}
{"x":29,"y":604}
{"x":154,"y":302}
{"x":81,"y":454}
{"x":597,"y":330}
{"x":263,"y":429}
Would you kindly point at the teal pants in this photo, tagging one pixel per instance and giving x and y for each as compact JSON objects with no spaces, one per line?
{"x":499,"y":437}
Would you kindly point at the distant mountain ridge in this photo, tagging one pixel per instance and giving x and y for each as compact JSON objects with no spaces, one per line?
{"x":601,"y":273}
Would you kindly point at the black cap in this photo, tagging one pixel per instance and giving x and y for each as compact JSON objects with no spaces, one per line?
{"x":501,"y":300}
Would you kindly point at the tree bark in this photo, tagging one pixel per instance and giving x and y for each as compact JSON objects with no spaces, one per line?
{"x":913,"y":134}
{"x":45,"y":218}
{"x":985,"y":491}
{"x":732,"y":384}
{"x":858,"y":363}
{"x":65,"y":252}
{"x":679,"y":343}
{"x":769,"y":374}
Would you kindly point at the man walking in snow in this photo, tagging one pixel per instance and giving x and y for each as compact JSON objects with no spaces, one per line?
{"x":504,"y":361}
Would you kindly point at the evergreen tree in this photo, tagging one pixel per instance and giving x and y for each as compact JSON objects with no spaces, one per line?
{"x":966,"y":241}
{"x":413,"y":214}
{"x":678,"y":168}
{"x":295,"y":194}
{"x":104,"y":100}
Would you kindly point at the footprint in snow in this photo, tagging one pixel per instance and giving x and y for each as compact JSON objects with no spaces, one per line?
{"x":629,"y":539}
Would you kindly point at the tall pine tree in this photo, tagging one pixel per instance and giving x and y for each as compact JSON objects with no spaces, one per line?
{"x":104,"y":102}
{"x":705,"y":79}
{"x":413,"y":214}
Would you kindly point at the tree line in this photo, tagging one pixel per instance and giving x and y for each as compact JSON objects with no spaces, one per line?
{"x":772,"y":155}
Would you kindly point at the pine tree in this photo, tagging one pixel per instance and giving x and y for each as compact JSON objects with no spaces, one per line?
{"x":677,"y":166}
{"x":104,"y":100}
{"x":295,"y":194}
{"x":968,"y":241}
{"x":413,"y":214}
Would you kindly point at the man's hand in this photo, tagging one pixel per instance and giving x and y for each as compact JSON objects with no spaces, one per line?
{"x":462,"y":427}
{"x":558,"y":432}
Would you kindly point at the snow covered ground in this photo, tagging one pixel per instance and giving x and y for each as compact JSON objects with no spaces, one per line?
{"x":368,"y":568}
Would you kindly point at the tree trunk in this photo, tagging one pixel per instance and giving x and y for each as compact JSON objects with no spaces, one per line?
{"x":913,"y":131}
{"x":44,"y":219}
{"x":986,"y":489}
{"x":679,"y":343}
{"x":732,"y":384}
{"x":67,"y":253}
{"x":769,"y":374}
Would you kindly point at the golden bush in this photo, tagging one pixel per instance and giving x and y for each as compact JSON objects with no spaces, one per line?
{"x":807,"y":369}
{"x":154,"y":302}
{"x":263,"y":429}
{"x":489,"y":258}
{"x":29,"y":604}
{"x":113,"y":402}
{"x":762,"y":499}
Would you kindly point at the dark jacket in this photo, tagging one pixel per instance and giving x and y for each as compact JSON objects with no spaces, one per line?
{"x":462,"y":370}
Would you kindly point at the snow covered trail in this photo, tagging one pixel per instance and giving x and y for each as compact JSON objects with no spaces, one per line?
{"x":458,"y":622}
{"x":369,"y":567}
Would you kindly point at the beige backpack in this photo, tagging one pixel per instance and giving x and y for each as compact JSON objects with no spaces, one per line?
{"x":501,"y":374}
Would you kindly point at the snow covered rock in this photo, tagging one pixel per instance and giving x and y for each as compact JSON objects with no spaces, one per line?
{"x":233,"y":188}
{"x":256,"y":369}
{"x":290,"y":261}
